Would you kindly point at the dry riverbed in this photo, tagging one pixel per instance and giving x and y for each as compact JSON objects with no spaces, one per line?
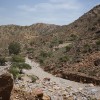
{"x":56,"y":88}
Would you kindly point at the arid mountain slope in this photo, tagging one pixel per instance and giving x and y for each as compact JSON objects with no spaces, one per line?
{"x":23,"y":34}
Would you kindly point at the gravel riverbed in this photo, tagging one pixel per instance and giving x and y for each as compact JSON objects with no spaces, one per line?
{"x":57,"y":88}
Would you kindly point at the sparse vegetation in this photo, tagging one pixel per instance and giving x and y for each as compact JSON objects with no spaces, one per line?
{"x":68,"y":48}
{"x":18,"y":64}
{"x":18,"y":58}
{"x":33,"y":78}
{"x":30,"y":50}
{"x":82,"y":70}
{"x":2,"y":61}
{"x":54,"y":42}
{"x":60,"y":41}
{"x":14,"y":71}
{"x":41,"y":60}
{"x":92,"y":73}
{"x":86,"y":48}
{"x":21,"y":65}
{"x":73,"y":37}
{"x":64,"y":59}
{"x":16,"y":68}
{"x":98,"y":42}
{"x":43,"y":54}
{"x":14,"y":48}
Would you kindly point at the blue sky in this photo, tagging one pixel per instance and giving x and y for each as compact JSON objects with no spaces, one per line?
{"x":27,"y":12}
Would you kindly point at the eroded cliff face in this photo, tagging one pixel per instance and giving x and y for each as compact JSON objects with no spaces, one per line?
{"x":6,"y":85}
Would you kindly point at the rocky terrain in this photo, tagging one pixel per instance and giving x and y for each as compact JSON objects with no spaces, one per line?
{"x":60,"y":49}
{"x":69,"y":52}
{"x":49,"y":87}
{"x":46,"y":87}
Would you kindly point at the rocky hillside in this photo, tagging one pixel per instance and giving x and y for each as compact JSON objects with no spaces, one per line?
{"x":60,"y":49}
{"x":22,"y":34}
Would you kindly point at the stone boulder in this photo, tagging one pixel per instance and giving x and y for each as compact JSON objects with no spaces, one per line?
{"x":38,"y":93}
{"x":6,"y":85}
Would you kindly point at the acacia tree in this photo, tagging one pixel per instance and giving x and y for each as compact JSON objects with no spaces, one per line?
{"x":14,"y":48}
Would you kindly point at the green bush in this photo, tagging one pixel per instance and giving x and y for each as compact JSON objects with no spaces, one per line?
{"x":21,"y":65}
{"x":73,"y":37}
{"x":68,"y":48}
{"x":41,"y":60}
{"x":16,"y":68}
{"x":43,"y":54}
{"x":64,"y":59}
{"x":98,"y":42}
{"x":2,"y":61}
{"x":33,"y":78}
{"x":86,"y":48}
{"x":14,"y":71}
{"x":17,"y":58}
{"x":25,"y":66}
{"x":19,"y":76}
{"x":54,"y":42}
{"x":14,"y":48}
{"x":30,"y":50}
{"x":60,"y":41}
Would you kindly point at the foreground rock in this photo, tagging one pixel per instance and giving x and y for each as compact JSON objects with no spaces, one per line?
{"x":6,"y":85}
{"x":38,"y":93}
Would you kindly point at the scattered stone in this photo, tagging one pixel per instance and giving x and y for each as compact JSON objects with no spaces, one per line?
{"x":91,"y":85}
{"x":46,"y":79}
{"x":80,"y":89}
{"x":50,"y":89}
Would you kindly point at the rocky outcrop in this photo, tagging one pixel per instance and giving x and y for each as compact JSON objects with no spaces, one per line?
{"x":6,"y":85}
{"x":81,"y":78}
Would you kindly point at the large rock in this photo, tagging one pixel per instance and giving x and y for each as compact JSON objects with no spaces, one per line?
{"x":38,"y":93}
{"x":6,"y":85}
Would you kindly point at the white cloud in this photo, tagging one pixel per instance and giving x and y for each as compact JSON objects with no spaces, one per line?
{"x":52,"y":5}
